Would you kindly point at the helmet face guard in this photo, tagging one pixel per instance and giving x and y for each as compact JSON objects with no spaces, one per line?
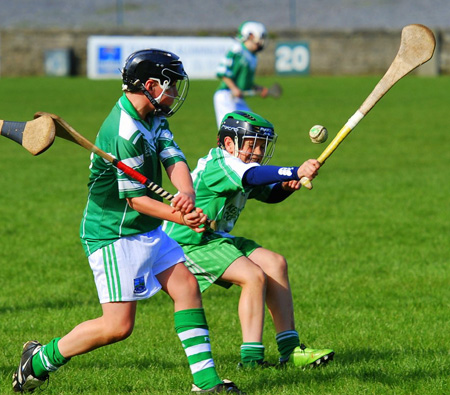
{"x":242,"y":126}
{"x":268,"y":148}
{"x":182,"y":87}
{"x":161,"y":66}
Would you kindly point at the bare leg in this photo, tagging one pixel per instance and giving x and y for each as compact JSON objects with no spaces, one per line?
{"x":252,"y":280}
{"x":278,"y":294}
{"x":115,"y":324}
{"x":181,"y":285}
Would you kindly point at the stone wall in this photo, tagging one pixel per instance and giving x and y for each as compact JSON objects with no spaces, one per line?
{"x":356,"y":52}
{"x":444,"y":51}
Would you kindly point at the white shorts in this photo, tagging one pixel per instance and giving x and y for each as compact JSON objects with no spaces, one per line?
{"x":126,"y":270}
{"x":225,"y":102}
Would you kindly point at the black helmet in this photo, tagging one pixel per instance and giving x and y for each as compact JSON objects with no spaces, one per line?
{"x":241,"y":125}
{"x":162,"y":66}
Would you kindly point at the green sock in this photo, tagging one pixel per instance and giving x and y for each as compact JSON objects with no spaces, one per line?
{"x":192,"y":330}
{"x":48,"y":359}
{"x":252,"y":353}
{"x":287,"y":341}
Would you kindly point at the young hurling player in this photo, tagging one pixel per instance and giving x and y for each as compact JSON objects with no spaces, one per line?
{"x":224,"y":180}
{"x":130,"y":256}
{"x":236,"y":71}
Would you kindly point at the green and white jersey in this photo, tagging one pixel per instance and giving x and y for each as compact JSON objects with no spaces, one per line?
{"x":239,"y":64}
{"x":142,"y":145}
{"x":219,"y":192}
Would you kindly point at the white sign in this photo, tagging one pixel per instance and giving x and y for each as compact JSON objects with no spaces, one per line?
{"x":106,"y":55}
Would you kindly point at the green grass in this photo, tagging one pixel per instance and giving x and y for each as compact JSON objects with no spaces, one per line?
{"x":368,"y":247}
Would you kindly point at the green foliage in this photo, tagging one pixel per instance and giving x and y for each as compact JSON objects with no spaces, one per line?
{"x":368,"y":247}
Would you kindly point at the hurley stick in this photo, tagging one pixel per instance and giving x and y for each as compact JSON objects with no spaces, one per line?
{"x":35,"y":136}
{"x":416,"y":47}
{"x":65,"y":131}
{"x":273,"y":91}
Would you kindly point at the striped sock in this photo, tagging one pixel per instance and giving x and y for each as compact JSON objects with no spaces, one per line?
{"x":252,"y":353}
{"x":287,"y":341}
{"x":192,"y":330}
{"x":48,"y":359}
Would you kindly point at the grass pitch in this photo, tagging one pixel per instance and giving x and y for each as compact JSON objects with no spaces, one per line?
{"x":368,"y":247}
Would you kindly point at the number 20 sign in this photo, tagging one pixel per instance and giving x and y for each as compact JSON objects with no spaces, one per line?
{"x":292,"y":58}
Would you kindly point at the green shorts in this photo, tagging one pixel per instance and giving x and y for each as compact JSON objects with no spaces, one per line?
{"x":209,"y":260}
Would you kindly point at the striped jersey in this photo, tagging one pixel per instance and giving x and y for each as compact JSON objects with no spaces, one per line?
{"x":220,"y":193}
{"x":239,"y":64}
{"x":142,"y":145}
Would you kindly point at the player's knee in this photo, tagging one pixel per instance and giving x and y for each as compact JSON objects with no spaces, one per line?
{"x":278,"y":266}
{"x":118,"y":333}
{"x":124,"y":333}
{"x":191,"y":285}
{"x":187,"y":292}
{"x":258,"y":277}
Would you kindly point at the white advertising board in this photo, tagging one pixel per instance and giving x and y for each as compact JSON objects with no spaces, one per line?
{"x":200,"y":55}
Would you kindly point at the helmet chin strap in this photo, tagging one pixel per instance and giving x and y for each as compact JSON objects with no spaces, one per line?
{"x":236,"y":146}
{"x":155,"y":101}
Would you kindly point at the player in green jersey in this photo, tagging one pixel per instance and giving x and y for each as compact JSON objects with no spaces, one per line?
{"x":129,"y":254}
{"x":237,"y":70}
{"x":224,"y":180}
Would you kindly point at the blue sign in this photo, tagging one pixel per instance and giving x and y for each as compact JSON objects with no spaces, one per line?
{"x":292,"y":57}
{"x":109,"y":60}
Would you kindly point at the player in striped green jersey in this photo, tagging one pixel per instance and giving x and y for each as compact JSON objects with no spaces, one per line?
{"x":236,"y":71}
{"x":224,"y":180}
{"x":129,"y":254}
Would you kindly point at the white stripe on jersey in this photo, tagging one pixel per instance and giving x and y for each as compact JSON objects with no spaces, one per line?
{"x":170,"y":152}
{"x":236,"y":164}
{"x":201,"y":164}
{"x":165,"y":135}
{"x":123,"y":218}
{"x":129,"y":185}
{"x":128,"y":126}
{"x":85,"y":213}
{"x":135,"y":162}
{"x":136,"y":139}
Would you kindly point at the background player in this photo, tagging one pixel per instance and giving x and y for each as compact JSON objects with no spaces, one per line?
{"x":224,"y":180}
{"x":130,"y":256}
{"x":237,"y":70}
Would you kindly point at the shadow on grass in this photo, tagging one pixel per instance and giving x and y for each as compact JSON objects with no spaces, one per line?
{"x":56,"y":304}
{"x":368,"y":367}
{"x":145,"y":363}
{"x":393,"y":369}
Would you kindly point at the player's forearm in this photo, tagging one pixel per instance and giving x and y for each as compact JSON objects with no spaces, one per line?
{"x":154,"y":208}
{"x":229,"y":82}
{"x":180,"y":177}
{"x":184,"y":200}
{"x":232,"y":86}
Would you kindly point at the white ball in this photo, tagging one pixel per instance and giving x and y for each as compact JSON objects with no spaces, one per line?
{"x":318,"y":134}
